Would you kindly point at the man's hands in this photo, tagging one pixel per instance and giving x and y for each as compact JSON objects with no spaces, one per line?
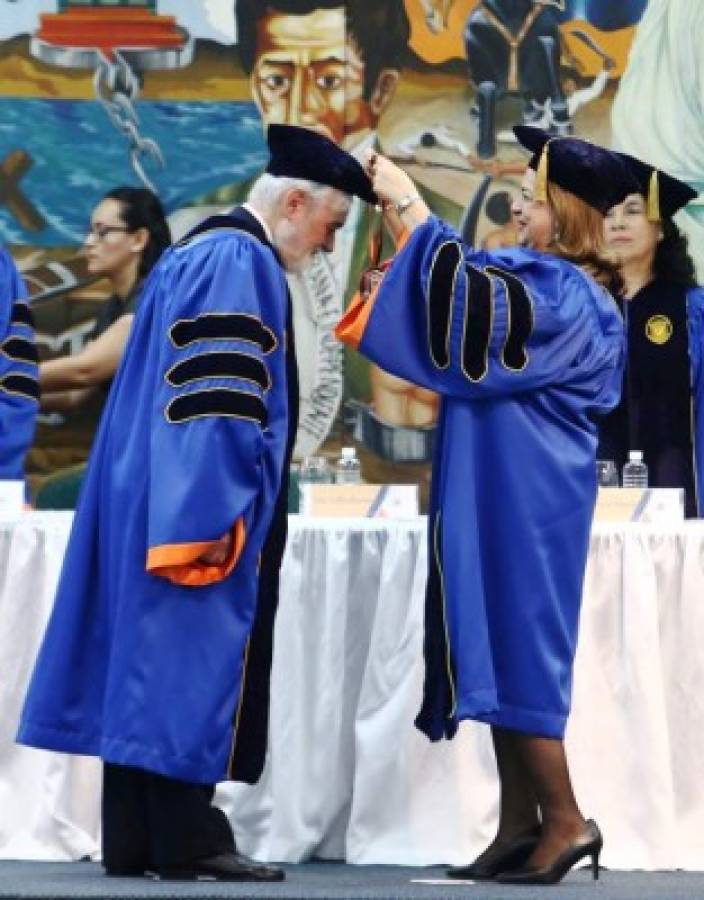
{"x":218,"y":553}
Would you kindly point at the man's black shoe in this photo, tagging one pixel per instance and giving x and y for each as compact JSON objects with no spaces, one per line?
{"x":134,"y":872}
{"x":223,"y":867}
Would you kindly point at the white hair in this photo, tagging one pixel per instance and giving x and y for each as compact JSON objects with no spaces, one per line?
{"x":268,"y":189}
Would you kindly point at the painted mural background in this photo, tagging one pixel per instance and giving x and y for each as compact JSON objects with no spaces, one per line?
{"x":445,"y":80}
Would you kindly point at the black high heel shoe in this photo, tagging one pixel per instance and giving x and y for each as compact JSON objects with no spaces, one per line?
{"x":513,"y":855}
{"x":589,"y":844}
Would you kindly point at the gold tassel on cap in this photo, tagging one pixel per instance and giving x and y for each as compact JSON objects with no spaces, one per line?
{"x":540,"y":191}
{"x":654,"y":198}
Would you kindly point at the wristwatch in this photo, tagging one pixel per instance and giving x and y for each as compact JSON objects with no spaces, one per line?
{"x":406,"y":201}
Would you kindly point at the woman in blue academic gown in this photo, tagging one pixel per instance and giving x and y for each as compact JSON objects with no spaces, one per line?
{"x":661,"y":411}
{"x":524,"y":346}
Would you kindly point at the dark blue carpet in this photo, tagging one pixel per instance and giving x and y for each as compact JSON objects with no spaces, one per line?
{"x":336,"y":881}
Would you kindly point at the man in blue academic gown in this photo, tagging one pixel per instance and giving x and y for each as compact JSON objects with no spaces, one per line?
{"x":153,"y":635}
{"x":19,"y":387}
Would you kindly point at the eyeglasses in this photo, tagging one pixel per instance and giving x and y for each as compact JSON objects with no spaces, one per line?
{"x":100,"y":232}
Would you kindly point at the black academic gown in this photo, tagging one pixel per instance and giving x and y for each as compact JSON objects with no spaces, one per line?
{"x":655,"y":411}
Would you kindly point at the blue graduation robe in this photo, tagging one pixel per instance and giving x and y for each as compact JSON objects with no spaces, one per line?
{"x":142,"y":661}
{"x":19,"y":387}
{"x":523,"y":348}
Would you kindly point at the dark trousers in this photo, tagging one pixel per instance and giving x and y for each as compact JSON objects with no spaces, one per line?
{"x":153,"y":822}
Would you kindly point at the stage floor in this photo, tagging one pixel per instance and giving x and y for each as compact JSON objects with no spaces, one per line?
{"x":336,"y":881}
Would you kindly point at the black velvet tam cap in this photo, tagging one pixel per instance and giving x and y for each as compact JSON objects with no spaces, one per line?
{"x":664,"y":193}
{"x":301,"y":153}
{"x":594,"y":174}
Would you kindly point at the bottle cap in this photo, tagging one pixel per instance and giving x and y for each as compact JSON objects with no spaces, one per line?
{"x":635,"y":456}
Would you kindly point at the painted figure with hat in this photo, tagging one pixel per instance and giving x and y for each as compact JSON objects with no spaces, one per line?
{"x":661,"y":411}
{"x":157,"y":654}
{"x":19,"y":386}
{"x":524,"y":345}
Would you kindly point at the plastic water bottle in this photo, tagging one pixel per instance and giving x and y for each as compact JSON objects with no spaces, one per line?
{"x":347,"y":467}
{"x":606,"y":473}
{"x":635,"y":471}
{"x":315,"y":470}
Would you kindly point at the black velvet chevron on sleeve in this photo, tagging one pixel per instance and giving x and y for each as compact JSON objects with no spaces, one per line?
{"x":441,"y":291}
{"x":21,"y":314}
{"x":478,"y":320}
{"x":226,"y":364}
{"x":216,"y":402}
{"x":223,"y":327}
{"x":21,"y":386}
{"x":19,"y":350}
{"x":520,"y":320}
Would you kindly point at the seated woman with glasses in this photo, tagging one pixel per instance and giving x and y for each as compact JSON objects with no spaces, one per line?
{"x":127,"y":235}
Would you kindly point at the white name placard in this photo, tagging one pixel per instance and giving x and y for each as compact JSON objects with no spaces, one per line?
{"x":11,"y":498}
{"x":639,"y":505}
{"x":385,"y":501}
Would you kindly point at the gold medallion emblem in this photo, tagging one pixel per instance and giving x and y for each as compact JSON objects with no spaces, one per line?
{"x":658,"y":329}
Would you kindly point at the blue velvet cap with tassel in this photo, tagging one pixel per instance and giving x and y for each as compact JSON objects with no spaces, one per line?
{"x":664,"y":193}
{"x":596,"y":175}
{"x":301,"y":153}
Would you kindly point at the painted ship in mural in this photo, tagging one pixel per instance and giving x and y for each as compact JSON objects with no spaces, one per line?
{"x":82,"y":30}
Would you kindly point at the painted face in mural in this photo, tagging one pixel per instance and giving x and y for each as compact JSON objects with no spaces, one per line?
{"x":112,"y":250}
{"x":310,"y":225}
{"x":534,"y":220}
{"x":308,"y":73}
{"x":629,"y":233}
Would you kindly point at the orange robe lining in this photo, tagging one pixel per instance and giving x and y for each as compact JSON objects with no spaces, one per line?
{"x":351,"y":327}
{"x":179,"y":562}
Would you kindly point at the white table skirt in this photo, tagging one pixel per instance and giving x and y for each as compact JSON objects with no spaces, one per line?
{"x":347,"y":775}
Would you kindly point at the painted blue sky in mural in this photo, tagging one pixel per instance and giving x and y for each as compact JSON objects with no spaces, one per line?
{"x":212,"y":19}
{"x":78,"y":156}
